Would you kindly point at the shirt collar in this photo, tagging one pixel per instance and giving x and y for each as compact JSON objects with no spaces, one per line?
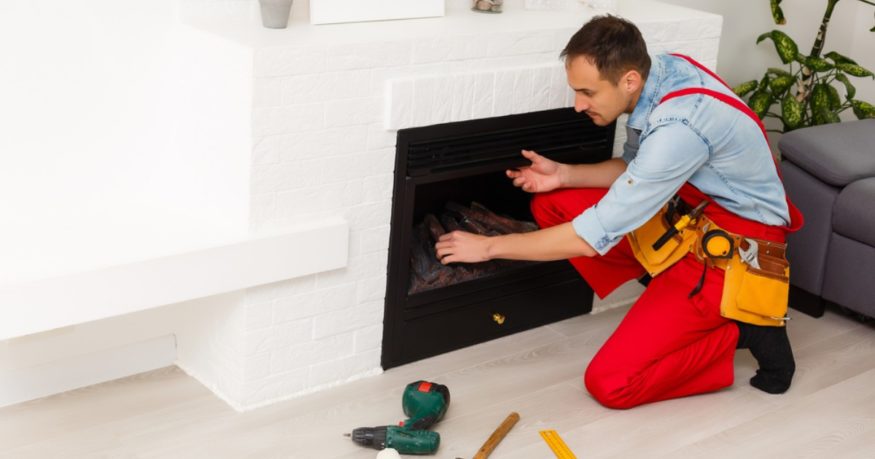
{"x":647,"y":101}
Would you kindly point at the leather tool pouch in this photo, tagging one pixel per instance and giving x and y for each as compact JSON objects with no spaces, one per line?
{"x":758,"y":295}
{"x":657,"y":261}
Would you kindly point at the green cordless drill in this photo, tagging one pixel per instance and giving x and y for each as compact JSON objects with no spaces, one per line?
{"x":425,"y":403}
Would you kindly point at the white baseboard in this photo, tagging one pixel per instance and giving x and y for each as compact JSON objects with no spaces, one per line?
{"x":24,"y":384}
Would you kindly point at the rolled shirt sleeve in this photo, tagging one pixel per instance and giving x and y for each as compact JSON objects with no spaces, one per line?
{"x":667,"y":157}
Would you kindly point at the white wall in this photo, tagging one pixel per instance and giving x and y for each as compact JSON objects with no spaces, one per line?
{"x":98,"y":163}
{"x":106,"y":157}
{"x":863,"y":48}
{"x":741,"y":59}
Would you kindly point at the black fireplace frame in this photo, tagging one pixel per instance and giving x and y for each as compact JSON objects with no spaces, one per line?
{"x":436,"y":321}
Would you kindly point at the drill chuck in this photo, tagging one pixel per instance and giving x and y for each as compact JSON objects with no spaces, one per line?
{"x":372,"y":437}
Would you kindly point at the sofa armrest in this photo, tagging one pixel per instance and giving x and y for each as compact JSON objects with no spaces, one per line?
{"x":837,"y":153}
{"x":807,"y":248}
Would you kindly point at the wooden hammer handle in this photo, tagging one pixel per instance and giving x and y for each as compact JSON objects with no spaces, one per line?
{"x":497,"y":436}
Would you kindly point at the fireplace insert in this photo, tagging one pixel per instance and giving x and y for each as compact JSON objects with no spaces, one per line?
{"x":448,"y":177}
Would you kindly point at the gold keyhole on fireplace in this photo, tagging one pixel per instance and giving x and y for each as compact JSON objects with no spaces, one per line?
{"x":498,"y":318}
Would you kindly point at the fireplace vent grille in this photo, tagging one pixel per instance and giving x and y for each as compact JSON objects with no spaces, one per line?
{"x":501,"y":148}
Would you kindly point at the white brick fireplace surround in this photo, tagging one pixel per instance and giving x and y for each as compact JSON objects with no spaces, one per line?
{"x":325,"y":103}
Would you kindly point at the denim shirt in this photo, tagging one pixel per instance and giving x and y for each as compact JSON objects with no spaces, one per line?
{"x":696,"y":139}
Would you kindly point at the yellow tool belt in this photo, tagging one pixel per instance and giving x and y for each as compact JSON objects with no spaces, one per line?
{"x":756,"y":282}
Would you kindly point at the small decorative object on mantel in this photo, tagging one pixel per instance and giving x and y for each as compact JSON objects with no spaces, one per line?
{"x":275,"y":13}
{"x":487,"y":6}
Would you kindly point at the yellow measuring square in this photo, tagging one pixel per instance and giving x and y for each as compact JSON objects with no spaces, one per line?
{"x":554,"y":441}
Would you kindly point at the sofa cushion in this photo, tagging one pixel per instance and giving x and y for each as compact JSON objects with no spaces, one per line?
{"x":854,"y":212}
{"x":835,"y":153}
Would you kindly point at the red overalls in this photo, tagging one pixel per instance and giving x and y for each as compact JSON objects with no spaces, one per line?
{"x":669,"y":344}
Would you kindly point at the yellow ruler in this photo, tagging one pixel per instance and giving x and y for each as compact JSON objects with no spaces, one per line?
{"x":554,"y":441}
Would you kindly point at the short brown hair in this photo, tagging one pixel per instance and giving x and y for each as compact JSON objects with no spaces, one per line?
{"x":614,"y":45}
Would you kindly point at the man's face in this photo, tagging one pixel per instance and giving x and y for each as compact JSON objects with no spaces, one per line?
{"x":603,"y":100}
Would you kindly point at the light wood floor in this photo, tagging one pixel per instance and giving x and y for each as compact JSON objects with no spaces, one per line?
{"x":828,"y":412}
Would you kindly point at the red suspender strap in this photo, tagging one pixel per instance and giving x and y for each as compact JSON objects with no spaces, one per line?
{"x":735,"y":103}
{"x":795,"y":215}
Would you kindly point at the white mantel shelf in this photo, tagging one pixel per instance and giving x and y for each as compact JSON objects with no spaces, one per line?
{"x":74,"y":298}
{"x":459,"y":18}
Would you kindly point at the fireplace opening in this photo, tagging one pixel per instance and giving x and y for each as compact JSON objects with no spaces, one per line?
{"x":451,"y":176}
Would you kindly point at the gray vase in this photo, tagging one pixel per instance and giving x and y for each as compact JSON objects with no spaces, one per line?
{"x":275,"y":13}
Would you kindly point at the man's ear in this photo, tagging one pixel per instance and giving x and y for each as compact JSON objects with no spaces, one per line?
{"x":631,"y":81}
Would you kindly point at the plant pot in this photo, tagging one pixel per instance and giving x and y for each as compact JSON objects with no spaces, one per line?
{"x":275,"y":13}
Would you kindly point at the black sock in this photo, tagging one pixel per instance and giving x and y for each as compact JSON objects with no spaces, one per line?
{"x":771,"y":347}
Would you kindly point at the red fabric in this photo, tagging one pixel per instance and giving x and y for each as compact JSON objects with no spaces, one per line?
{"x":605,"y":273}
{"x":668,"y":345}
{"x":701,"y":67}
{"x":728,"y":220}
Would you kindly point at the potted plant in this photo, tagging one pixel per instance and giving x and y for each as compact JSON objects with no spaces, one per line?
{"x":805,"y":94}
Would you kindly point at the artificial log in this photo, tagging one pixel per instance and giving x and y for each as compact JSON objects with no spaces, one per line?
{"x":427,"y":272}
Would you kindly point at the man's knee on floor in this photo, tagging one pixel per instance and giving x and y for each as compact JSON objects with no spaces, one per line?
{"x":606,"y":388}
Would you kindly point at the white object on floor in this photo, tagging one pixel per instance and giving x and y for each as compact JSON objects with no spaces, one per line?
{"x":388,"y":453}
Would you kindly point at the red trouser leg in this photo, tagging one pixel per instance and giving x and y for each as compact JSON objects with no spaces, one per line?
{"x":668,"y":345}
{"x":604,"y":273}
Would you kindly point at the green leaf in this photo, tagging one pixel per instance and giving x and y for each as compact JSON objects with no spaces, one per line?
{"x":849,"y":88}
{"x":834,"y":100}
{"x":777,"y":13}
{"x":786,"y":47}
{"x":839,"y":59}
{"x":760,"y":102}
{"x":791,"y":112}
{"x":777,"y":71}
{"x":854,"y":70}
{"x":780,"y":84}
{"x":863,"y":109}
{"x":817,"y":64}
{"x":744,"y":88}
{"x":764,"y":83}
{"x":819,"y":98}
{"x":825,"y":116}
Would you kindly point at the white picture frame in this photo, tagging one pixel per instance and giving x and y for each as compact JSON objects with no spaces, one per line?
{"x":338,"y":11}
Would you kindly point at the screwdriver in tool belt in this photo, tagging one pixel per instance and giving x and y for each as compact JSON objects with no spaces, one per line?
{"x":682,"y":223}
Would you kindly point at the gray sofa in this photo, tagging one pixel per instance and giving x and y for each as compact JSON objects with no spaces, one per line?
{"x":829,"y":173}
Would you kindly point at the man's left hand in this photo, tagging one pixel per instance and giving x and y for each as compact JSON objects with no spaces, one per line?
{"x":462,"y":247}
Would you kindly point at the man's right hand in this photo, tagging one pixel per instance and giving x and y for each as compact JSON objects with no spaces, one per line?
{"x":542,"y":175}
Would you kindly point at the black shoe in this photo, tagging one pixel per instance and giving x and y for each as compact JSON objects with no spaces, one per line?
{"x":771,"y":347}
